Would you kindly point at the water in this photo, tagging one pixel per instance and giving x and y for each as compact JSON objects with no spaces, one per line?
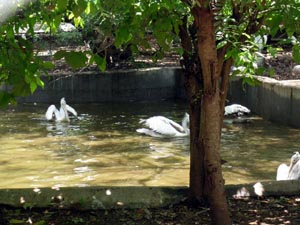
{"x":101,"y":147}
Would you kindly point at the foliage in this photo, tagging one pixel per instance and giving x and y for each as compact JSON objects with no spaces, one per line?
{"x":129,"y":23}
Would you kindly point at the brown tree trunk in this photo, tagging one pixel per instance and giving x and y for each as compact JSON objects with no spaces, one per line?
{"x":193,"y":87}
{"x":212,"y":102}
{"x":207,"y":82}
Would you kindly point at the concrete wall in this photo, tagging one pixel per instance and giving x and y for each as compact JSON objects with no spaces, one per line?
{"x":274,"y":100}
{"x":277,"y":101}
{"x":112,"y":86}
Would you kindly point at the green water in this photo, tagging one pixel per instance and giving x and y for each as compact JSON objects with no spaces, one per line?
{"x":101,"y":147}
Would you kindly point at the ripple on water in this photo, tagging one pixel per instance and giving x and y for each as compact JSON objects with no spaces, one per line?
{"x":101,"y":147}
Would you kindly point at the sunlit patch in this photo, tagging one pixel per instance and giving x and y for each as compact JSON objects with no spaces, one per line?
{"x":83,"y":169}
{"x":259,"y":189}
{"x":37,"y":190}
{"x":9,"y":8}
{"x":89,"y":178}
{"x":86,"y":160}
{"x":297,"y":200}
{"x":22,"y":200}
{"x":56,"y":187}
{"x":57,"y":199}
{"x":108,"y":192}
{"x":242,"y":193}
{"x":29,"y":221}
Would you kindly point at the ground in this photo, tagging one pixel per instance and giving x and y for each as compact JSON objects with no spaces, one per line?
{"x":269,"y":210}
{"x":244,"y":211}
{"x":282,"y":64}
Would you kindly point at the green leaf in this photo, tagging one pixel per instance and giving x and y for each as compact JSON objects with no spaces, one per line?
{"x":76,"y":59}
{"x":260,"y":70}
{"x":275,"y":22}
{"x":272,"y":51}
{"x":271,"y":72}
{"x":39,"y":82}
{"x":47,"y":65}
{"x":21,"y":89}
{"x":296,"y":53}
{"x":122,"y":36}
{"x":62,"y":5}
{"x":79,"y":8}
{"x":6,"y":98}
{"x":33,"y":87}
{"x":16,"y":221}
{"x":59,"y":54}
{"x":100,"y":61}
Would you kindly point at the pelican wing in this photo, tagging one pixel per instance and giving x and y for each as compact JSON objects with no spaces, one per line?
{"x":282,"y":172}
{"x":163,"y":125}
{"x":294,"y":173}
{"x":148,"y":132}
{"x":176,"y":126}
{"x":236,"y":109}
{"x":71,"y":110}
{"x":50,"y":111}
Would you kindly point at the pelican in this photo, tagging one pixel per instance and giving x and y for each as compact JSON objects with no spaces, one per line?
{"x":62,"y":113}
{"x":236,"y":109}
{"x":291,"y":172}
{"x":160,"y":126}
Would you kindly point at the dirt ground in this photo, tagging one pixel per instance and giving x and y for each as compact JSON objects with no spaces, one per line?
{"x":282,"y":64}
{"x":279,"y":210}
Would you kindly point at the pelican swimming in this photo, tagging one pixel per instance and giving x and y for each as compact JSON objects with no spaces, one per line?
{"x":62,"y":113}
{"x":236,"y":109}
{"x":291,"y":172}
{"x":160,"y":126}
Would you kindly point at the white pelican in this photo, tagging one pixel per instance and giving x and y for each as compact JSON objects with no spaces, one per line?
{"x":62,"y":113}
{"x":236,"y":109}
{"x":291,"y":172}
{"x":160,"y":126}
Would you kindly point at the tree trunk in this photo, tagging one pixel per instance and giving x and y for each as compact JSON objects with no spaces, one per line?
{"x":210,"y":148}
{"x":193,"y":87}
{"x":207,"y":150}
{"x":206,"y":81}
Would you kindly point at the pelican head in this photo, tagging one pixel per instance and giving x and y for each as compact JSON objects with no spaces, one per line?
{"x":186,"y":121}
{"x":63,"y":101}
{"x":294,"y":159}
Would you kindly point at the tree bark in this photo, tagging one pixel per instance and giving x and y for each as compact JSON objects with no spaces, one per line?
{"x":193,"y":87}
{"x":207,"y":81}
{"x":212,"y":101}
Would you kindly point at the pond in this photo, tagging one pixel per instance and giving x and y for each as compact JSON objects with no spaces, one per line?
{"x":102,"y":148}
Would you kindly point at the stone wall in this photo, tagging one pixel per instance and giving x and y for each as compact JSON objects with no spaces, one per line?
{"x":277,"y":101}
{"x":112,"y":86}
{"x":274,"y":100}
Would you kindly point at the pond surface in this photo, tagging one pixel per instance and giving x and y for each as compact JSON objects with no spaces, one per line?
{"x":101,"y":147}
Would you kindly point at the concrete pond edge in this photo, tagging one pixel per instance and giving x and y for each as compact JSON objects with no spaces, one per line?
{"x":100,"y":197}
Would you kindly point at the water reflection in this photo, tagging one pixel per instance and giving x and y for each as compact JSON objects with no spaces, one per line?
{"x":101,"y":147}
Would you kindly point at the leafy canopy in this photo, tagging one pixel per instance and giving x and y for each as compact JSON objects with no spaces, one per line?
{"x":131,"y":21}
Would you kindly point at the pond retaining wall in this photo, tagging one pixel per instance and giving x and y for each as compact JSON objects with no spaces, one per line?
{"x":274,"y":100}
{"x":111,"y":86}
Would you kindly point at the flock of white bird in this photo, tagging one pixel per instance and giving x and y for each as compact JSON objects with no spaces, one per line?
{"x":160,"y":126}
